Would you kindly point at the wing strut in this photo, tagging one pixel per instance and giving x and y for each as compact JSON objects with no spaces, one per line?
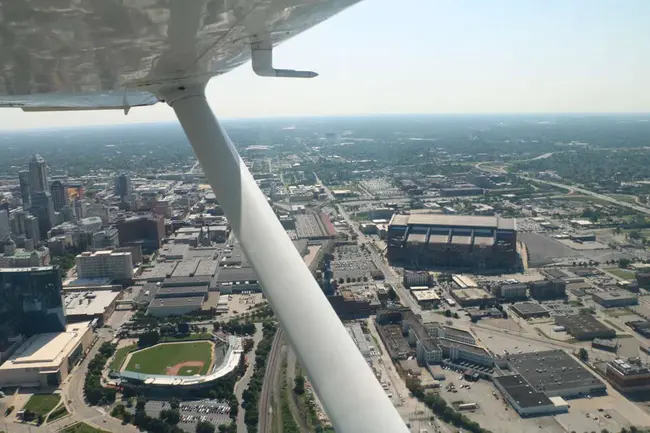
{"x":351,"y":395}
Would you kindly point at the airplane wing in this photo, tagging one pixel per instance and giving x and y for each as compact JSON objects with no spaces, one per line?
{"x":116,"y":54}
{"x":103,"y":54}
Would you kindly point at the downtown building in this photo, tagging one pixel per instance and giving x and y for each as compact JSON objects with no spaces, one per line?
{"x":105,"y":264}
{"x":448,"y":241}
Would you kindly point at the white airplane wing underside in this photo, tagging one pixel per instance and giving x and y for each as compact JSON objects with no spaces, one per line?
{"x":98,"y":54}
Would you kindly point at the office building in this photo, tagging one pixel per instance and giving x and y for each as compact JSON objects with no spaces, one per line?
{"x":510,"y":292}
{"x":30,"y":302}
{"x":615,"y":298}
{"x":45,"y":360}
{"x":631,"y":376}
{"x":25,"y":189}
{"x":548,"y":289}
{"x":123,"y":186}
{"x":149,"y":230}
{"x":448,"y":241}
{"x":108,"y":238}
{"x":105,"y":264}
{"x":79,"y":208}
{"x":38,"y":175}
{"x":43,"y":208}
{"x":59,"y":195}
{"x":32,"y":229}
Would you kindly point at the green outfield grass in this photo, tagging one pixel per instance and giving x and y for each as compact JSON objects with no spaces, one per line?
{"x":156,"y":359}
{"x":120,"y":356}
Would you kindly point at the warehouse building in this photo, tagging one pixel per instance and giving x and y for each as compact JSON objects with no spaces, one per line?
{"x":584,"y":327}
{"x":556,"y":373}
{"x":529,"y":310}
{"x":615,"y":298}
{"x":449,"y":241}
{"x":525,"y":399}
{"x":237,"y":279}
{"x":45,"y":360}
{"x":473,"y":297}
{"x":427,"y":298}
{"x":163,"y":307}
{"x":607,"y":345}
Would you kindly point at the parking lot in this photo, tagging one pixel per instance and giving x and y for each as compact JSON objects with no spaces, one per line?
{"x":213,"y":411}
{"x":493,"y":413}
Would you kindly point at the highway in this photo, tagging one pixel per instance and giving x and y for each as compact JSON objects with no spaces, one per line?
{"x":583,"y":191}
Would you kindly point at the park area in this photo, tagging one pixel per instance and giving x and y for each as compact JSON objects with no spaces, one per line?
{"x":42,"y":404}
{"x":173,"y":359}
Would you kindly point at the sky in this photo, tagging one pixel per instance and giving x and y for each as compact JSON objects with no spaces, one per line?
{"x":436,"y":56}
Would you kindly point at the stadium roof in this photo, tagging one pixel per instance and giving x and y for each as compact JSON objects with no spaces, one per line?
{"x":493,"y":222}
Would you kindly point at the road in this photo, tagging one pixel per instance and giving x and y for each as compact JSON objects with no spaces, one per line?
{"x":583,"y":191}
{"x":391,"y":277}
{"x":273,"y":365}
{"x":242,"y":384}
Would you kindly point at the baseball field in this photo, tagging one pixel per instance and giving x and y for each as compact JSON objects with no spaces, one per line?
{"x":173,"y":359}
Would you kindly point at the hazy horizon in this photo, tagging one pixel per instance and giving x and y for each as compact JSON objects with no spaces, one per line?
{"x":430,"y":57}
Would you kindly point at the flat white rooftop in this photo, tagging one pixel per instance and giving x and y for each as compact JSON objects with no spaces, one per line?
{"x":47,"y":350}
{"x":91,"y":302}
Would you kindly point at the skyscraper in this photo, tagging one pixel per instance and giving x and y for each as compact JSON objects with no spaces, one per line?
{"x":38,"y":181}
{"x":5,"y":230}
{"x":123,"y":185}
{"x":25,"y":190}
{"x":32,"y":229}
{"x":43,"y":208}
{"x":59,"y":196}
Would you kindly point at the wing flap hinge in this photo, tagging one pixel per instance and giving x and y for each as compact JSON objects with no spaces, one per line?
{"x":262,"y":62}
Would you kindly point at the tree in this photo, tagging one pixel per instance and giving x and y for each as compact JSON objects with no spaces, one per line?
{"x":583,"y":354}
{"x":204,"y":427}
{"x":456,"y":316}
{"x":447,"y":312}
{"x":248,"y":345}
{"x":127,"y":417}
{"x":624,"y":263}
{"x":299,"y":385}
{"x":174,"y":403}
{"x":141,"y":403}
{"x":149,"y":339}
{"x":222,"y":428}
{"x":170,"y":416}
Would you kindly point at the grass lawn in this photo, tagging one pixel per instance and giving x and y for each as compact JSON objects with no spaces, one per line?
{"x":82,"y":428}
{"x":60,"y":412}
{"x":625,"y":274}
{"x":617,"y":312}
{"x":42,"y":404}
{"x":156,"y":359}
{"x":120,"y":356}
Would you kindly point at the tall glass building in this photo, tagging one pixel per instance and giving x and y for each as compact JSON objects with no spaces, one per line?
{"x":31,"y":302}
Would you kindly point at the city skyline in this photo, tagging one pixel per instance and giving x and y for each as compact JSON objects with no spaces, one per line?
{"x":446,"y":58}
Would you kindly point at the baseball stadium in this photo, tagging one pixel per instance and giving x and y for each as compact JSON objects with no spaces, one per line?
{"x":182,"y":363}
